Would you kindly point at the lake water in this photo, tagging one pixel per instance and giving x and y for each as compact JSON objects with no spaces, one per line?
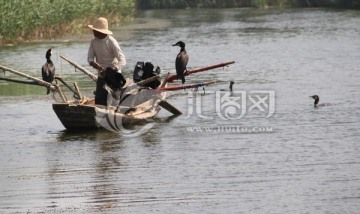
{"x":228,"y":153}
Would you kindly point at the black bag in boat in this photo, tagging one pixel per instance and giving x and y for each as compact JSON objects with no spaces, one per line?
{"x":144,"y":71}
{"x":114,"y":79}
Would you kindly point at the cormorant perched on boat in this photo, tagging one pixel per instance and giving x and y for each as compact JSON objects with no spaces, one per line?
{"x":48,"y":69}
{"x":316,"y":102}
{"x":181,"y":61}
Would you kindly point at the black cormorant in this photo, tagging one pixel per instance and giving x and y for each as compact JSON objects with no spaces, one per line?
{"x":231,"y":85}
{"x":181,"y":61}
{"x":48,"y":69}
{"x":316,"y":102}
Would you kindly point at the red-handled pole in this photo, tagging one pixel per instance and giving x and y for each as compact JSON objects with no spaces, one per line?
{"x":173,"y":77}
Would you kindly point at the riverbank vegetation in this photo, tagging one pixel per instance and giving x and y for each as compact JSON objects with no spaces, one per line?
{"x":162,"y":4}
{"x":23,"y":20}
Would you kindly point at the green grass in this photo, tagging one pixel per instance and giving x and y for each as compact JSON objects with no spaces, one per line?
{"x":42,"y":19}
{"x":149,"y":4}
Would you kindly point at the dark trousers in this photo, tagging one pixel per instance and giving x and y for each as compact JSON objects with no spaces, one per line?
{"x":100,"y":93}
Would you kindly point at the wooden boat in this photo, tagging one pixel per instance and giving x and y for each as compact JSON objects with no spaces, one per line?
{"x":136,"y":104}
{"x":91,"y":116}
{"x":138,"y":107}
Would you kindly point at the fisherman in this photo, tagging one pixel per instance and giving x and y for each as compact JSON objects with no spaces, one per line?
{"x":106,"y":56}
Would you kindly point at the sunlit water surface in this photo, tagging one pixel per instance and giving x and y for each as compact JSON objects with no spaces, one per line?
{"x":300,"y":159}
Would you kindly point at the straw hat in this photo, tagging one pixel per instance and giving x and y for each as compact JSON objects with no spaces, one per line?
{"x":101,"y":25}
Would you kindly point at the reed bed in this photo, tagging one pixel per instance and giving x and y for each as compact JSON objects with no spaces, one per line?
{"x":22,"y":20}
{"x":43,"y":19}
{"x":148,"y":4}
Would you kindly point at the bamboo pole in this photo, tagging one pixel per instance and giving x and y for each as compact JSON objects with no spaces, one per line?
{"x":148,"y":80}
{"x":61,"y":93}
{"x":84,"y":70}
{"x":77,"y":90}
{"x":19,"y":81}
{"x":67,"y":86}
{"x":163,"y":84}
{"x":36,"y":80}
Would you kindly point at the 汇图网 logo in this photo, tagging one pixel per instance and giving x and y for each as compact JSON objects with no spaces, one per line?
{"x":232,"y":105}
{"x":227,"y":106}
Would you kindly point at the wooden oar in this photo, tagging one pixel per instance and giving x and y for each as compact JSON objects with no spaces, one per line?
{"x":164,"y":103}
{"x":169,"y":107}
{"x":84,"y":70}
{"x":187,"y":73}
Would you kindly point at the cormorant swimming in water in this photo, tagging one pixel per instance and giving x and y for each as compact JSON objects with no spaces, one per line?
{"x":181,"y":61}
{"x":316,"y":102}
{"x":48,"y":69}
{"x":231,"y":85}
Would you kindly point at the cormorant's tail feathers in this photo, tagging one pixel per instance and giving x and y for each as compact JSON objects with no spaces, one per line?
{"x":183,"y":79}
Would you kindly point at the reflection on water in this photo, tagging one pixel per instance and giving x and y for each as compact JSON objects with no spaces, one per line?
{"x":309,"y":162}
{"x":91,"y":135}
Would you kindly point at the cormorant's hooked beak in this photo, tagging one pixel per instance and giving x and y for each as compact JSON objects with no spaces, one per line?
{"x":49,"y":53}
{"x":177,"y":44}
{"x":50,"y":50}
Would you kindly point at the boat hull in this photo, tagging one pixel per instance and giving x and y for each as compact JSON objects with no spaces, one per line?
{"x":84,"y":117}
